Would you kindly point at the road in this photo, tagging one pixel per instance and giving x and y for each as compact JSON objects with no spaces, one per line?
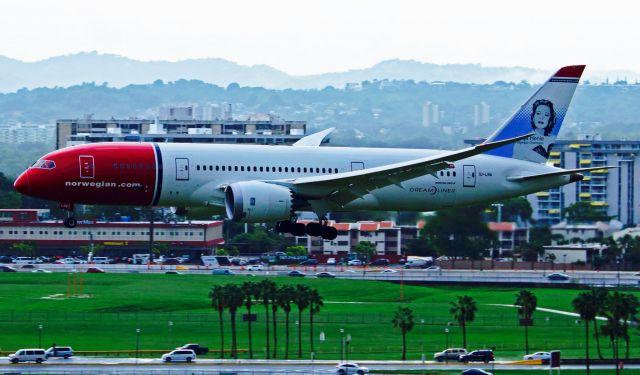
{"x":92,"y":365}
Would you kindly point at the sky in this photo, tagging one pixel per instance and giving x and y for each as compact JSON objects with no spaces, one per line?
{"x":317,"y":36}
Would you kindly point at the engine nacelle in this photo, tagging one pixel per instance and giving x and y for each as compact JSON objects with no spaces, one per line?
{"x":257,"y":202}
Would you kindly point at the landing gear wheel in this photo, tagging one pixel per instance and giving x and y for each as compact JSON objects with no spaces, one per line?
{"x":70,"y":222}
{"x":314,"y":229}
{"x":329,"y":233}
{"x":298,"y":229}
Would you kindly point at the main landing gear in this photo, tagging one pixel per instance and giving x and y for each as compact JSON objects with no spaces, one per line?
{"x":312,"y":229}
{"x":70,"y":221}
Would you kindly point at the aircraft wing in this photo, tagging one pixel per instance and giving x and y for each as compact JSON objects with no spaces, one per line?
{"x":344,"y":187}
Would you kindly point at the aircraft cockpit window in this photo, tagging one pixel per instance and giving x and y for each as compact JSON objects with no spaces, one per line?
{"x":44,"y":164}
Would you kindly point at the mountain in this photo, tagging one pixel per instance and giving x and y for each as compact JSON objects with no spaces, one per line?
{"x":119,"y":71}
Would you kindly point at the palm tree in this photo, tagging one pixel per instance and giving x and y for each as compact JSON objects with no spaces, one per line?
{"x":600,"y":296}
{"x":274,"y":310}
{"x":315,"y":304}
{"x":218,"y":303}
{"x":614,"y":307}
{"x":267,"y":290}
{"x":301,"y":299}
{"x":585,"y":305}
{"x":630,"y":306}
{"x":284,"y":296}
{"x":234,"y":299}
{"x":250,"y":290}
{"x":403,"y":319}
{"x":464,"y":310}
{"x":527,"y":303}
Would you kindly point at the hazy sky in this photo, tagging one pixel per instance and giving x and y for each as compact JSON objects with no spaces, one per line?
{"x":314,"y":36}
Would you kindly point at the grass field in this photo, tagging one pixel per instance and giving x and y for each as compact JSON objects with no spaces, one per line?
{"x":121,"y":303}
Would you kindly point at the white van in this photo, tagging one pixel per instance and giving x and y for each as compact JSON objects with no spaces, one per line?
{"x":101,"y":260}
{"x":26,"y":355}
{"x":25,"y":260}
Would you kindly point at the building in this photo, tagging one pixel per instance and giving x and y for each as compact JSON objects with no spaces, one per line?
{"x":390,"y":239}
{"x":269,"y":130}
{"x":481,"y":114}
{"x":430,"y":114}
{"x":583,"y":232}
{"x":613,"y":191}
{"x":565,"y":254}
{"x":27,"y":133}
{"x":51,"y":237}
{"x":510,"y":236}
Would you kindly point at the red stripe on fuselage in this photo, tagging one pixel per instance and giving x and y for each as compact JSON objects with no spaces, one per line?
{"x":120,"y":174}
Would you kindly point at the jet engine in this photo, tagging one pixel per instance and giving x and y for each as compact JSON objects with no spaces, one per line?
{"x":257,"y":202}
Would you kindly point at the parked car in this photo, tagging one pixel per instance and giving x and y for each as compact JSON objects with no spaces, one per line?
{"x":95,"y":270}
{"x":28,"y":266}
{"x":331,"y":262}
{"x":325,"y":275}
{"x":476,"y":371}
{"x":351,"y":368}
{"x":171,"y":272}
{"x":255,"y":267}
{"x":485,"y":356}
{"x":380,"y":262}
{"x":28,"y":355}
{"x":309,"y":262}
{"x":40,"y":270}
{"x":389,"y":270}
{"x":222,"y":271}
{"x":296,"y":273}
{"x":433,"y":268}
{"x":355,"y":262}
{"x":452,"y":354}
{"x":59,"y":351}
{"x":7,"y":269}
{"x":179,"y":355}
{"x":557,"y":276}
{"x":199,"y":350}
{"x":538,"y":355}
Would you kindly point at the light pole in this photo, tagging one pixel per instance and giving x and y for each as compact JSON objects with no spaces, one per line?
{"x":346,"y":351}
{"x":137,"y":344}
{"x":341,"y":345}
{"x":322,"y":338}
{"x":40,"y":335}
{"x":499,"y":207}
{"x":564,"y":262}
{"x":618,"y":266}
{"x":446,"y":335}
{"x":170,"y":329}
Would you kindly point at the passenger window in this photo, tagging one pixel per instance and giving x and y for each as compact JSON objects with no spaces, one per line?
{"x":448,"y":174}
{"x":255,"y":169}
{"x":260,"y":169}
{"x":317,"y":170}
{"x":242,"y":168}
{"x":197,"y":167}
{"x":279,"y":169}
{"x":267,"y":169}
{"x":324,"y":170}
{"x":298,"y":169}
{"x":286,"y":169}
{"x":454,"y":173}
{"x":235,"y":168}
{"x":304,"y":169}
{"x":218,"y":167}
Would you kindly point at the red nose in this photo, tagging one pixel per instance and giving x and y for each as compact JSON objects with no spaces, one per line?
{"x":22,"y":183}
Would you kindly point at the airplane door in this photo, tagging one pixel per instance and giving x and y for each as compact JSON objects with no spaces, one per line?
{"x":357,"y":165}
{"x":469,"y":175}
{"x":86,"y":166}
{"x":182,"y":169}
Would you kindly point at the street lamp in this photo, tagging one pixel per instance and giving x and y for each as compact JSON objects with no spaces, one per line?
{"x":341,"y":344}
{"x":347,"y":342}
{"x":170,"y":328}
{"x":322,"y":338}
{"x":40,"y":335}
{"x":564,"y":262}
{"x":618,"y":266}
{"x":137,"y":344}
{"x":446,"y":332}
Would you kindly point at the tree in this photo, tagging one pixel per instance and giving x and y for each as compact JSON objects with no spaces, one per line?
{"x":284,"y":296}
{"x":585,"y":305}
{"x":234,"y":298}
{"x":267,"y":292}
{"x":315,"y":304}
{"x":274,"y":309}
{"x":295,"y":250}
{"x":530,"y":251}
{"x":464,"y":310}
{"x":600,"y":297}
{"x":24,"y":248}
{"x":526,"y":302}
{"x":365,"y":249}
{"x":301,"y":299}
{"x":584,"y":212}
{"x":403,"y":319}
{"x":259,"y":240}
{"x":513,"y":209}
{"x":216,"y":294}
{"x":250,"y":291}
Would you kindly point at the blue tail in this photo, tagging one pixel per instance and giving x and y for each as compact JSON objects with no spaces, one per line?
{"x":543,"y":114}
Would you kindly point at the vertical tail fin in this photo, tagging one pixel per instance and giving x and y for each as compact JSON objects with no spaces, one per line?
{"x":543,"y":114}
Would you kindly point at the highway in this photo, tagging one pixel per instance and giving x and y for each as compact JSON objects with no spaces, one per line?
{"x":596,"y":278}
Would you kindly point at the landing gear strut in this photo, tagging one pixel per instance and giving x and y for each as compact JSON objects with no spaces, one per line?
{"x":70,"y":221}
{"x":312,"y":229}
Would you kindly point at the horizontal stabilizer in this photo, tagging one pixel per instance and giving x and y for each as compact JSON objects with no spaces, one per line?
{"x":559,"y":173}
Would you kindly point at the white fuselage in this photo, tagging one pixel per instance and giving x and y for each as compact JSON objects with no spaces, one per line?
{"x":195,"y":175}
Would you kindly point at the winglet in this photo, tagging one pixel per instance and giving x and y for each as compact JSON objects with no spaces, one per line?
{"x":313,"y":140}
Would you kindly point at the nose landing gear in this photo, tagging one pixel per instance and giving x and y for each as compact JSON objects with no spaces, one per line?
{"x":70,"y":221}
{"x":312,"y":229}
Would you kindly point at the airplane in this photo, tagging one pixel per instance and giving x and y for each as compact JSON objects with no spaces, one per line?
{"x":254,"y":183}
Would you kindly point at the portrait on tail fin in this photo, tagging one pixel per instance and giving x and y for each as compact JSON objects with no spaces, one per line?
{"x":537,"y":147}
